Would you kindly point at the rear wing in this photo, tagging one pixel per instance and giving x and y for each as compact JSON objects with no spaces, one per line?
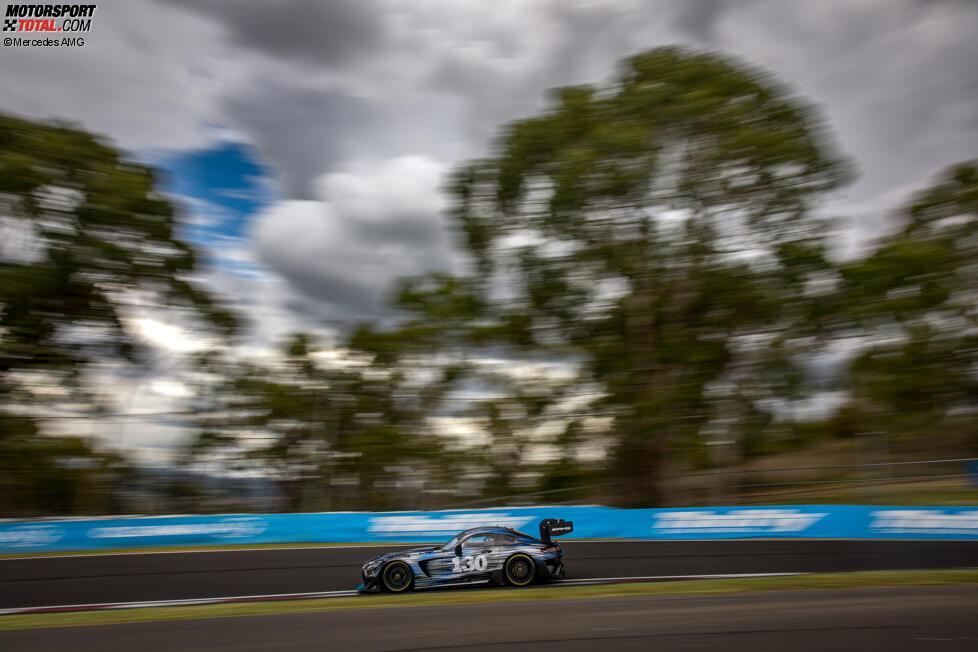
{"x":554,"y":527}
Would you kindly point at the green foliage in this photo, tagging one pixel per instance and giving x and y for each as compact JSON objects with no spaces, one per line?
{"x":101,"y":229}
{"x":42,"y":476}
{"x":655,"y":220}
{"x":347,"y":437}
{"x":918,"y":288}
{"x":96,"y":230}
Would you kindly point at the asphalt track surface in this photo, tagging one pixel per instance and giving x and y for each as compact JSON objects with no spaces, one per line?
{"x":71,"y":580}
{"x":895,"y":618}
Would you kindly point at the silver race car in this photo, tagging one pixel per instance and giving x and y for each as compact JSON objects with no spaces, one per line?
{"x":486,"y":555}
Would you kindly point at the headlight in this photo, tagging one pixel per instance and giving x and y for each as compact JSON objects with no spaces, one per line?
{"x":371,"y":566}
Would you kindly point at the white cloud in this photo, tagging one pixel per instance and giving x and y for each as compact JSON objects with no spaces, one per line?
{"x":168,"y":337}
{"x":20,"y":242}
{"x":170,"y":388}
{"x":896,"y":80}
{"x":370,"y":225}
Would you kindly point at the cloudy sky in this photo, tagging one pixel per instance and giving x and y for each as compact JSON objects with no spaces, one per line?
{"x":307,"y":141}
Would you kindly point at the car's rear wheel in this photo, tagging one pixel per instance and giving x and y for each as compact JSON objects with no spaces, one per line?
{"x":519,"y":570}
{"x":397,"y":577}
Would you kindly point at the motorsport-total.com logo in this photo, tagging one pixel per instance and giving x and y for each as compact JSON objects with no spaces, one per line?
{"x":30,"y":22}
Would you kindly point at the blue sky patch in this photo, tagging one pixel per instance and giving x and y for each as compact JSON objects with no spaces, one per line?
{"x":220,"y":190}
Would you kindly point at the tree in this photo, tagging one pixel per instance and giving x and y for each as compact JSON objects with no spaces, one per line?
{"x":913,"y":301}
{"x":651,"y":227}
{"x":351,"y":436}
{"x":92,"y":230}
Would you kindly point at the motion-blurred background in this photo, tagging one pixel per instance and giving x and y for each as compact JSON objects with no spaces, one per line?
{"x":384,"y":255}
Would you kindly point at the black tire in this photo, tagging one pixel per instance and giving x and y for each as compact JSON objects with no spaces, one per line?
{"x":519,"y":570}
{"x":397,"y":577}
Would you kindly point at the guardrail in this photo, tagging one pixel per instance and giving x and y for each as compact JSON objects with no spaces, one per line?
{"x":804,"y":521}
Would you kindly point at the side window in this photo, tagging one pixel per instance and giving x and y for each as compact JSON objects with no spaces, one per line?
{"x":507,"y":540}
{"x":479,"y":540}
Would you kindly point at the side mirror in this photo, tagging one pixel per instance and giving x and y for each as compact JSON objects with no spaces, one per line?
{"x":458,"y":550}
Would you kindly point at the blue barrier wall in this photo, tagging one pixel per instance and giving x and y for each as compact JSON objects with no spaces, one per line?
{"x":808,"y":521}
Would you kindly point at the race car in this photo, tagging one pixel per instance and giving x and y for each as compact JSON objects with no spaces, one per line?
{"x":485,"y":555}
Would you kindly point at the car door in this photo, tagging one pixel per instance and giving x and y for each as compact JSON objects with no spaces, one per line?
{"x":441,"y":565}
{"x":477,"y":553}
{"x":506,"y":544}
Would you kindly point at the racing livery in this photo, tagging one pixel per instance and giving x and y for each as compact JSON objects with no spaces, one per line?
{"x":489,"y":554}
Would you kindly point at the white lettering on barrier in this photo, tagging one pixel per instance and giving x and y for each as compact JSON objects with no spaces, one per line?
{"x":31,"y":536}
{"x":734,"y":521}
{"x":924,"y":521}
{"x":419,"y":525}
{"x":229,"y":528}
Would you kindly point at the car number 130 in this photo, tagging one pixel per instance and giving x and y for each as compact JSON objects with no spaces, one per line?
{"x":465,"y":564}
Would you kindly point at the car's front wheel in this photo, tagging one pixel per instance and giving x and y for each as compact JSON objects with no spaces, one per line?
{"x":397,"y":577}
{"x":519,"y":570}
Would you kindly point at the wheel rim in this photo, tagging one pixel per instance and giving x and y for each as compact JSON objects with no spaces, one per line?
{"x":520,"y":571}
{"x":397,"y":577}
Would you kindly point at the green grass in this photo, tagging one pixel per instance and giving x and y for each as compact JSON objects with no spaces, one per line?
{"x":476,"y":595}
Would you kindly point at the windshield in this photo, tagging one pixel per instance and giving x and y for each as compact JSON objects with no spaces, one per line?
{"x":454,"y":541}
{"x":458,"y":538}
